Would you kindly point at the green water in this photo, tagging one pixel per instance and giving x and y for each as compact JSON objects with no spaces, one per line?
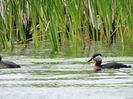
{"x":45,"y":74}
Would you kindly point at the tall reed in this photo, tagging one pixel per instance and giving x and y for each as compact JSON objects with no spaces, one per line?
{"x":64,"y":22}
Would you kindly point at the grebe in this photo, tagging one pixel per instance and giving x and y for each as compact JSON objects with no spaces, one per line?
{"x":98,"y":66}
{"x":7,"y":64}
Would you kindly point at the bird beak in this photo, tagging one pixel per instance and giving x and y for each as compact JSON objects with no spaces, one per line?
{"x":90,"y":60}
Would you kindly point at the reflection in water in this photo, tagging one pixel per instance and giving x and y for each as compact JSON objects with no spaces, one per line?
{"x":43,"y":77}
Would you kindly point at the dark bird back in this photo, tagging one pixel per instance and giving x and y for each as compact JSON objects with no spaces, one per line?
{"x":7,"y":64}
{"x":114,"y":65}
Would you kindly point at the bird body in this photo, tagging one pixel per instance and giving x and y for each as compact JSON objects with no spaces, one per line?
{"x":114,"y":65}
{"x":7,"y":64}
{"x":98,"y":64}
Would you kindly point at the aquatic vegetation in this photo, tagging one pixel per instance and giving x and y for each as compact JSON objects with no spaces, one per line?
{"x":64,"y":23}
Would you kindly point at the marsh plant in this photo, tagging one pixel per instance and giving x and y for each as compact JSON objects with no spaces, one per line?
{"x":63,"y":23}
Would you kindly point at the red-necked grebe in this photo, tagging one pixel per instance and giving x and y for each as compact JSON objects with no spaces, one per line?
{"x":7,"y":64}
{"x":98,"y":64}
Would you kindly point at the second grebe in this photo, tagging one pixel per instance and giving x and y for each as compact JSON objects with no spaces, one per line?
{"x":7,"y":64}
{"x":98,"y":66}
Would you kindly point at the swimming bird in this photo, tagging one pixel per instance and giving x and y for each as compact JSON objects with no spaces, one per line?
{"x":98,"y":64}
{"x":7,"y":64}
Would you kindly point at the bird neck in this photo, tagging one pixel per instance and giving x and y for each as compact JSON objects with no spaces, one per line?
{"x":97,"y":66}
{"x":98,"y":63}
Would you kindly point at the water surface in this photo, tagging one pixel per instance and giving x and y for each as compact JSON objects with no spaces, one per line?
{"x":46,"y":74}
{"x":65,"y":78}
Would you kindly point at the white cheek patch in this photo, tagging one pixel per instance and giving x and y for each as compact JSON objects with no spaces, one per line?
{"x":98,"y":58}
